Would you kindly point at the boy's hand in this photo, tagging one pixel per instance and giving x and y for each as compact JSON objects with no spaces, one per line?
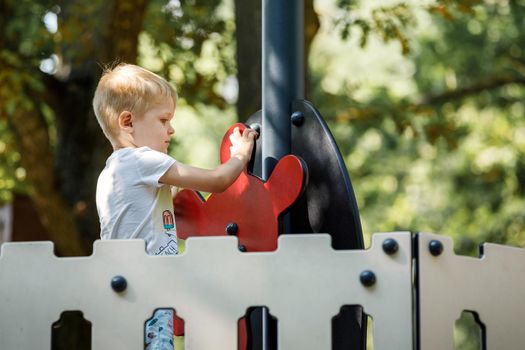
{"x":242,"y":145}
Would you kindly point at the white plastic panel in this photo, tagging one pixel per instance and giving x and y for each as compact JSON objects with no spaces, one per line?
{"x":493,"y":286}
{"x":304,"y":284}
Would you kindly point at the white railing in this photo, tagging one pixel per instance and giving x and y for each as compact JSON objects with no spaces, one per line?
{"x":304,"y":284}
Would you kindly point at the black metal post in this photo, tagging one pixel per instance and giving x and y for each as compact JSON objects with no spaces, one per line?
{"x":282,"y":82}
{"x":282,"y":75}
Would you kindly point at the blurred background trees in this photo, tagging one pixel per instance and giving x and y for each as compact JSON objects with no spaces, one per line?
{"x":433,"y":134}
{"x":425,"y":99}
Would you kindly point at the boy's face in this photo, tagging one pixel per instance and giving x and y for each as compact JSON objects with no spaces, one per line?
{"x":154,"y":128}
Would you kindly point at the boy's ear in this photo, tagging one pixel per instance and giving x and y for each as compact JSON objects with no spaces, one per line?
{"x":125,"y":120}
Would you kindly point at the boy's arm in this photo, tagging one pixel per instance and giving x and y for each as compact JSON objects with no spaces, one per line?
{"x":220,"y":178}
{"x":215,"y":180}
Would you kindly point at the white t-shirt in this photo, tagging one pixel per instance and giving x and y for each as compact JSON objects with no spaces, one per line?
{"x":131,"y":202}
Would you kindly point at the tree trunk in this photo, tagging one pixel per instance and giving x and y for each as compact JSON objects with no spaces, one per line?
{"x":311,"y":27}
{"x":33,"y":141}
{"x":126,"y":24}
{"x":248,"y":22}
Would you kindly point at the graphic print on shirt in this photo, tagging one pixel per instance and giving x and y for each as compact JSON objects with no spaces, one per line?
{"x":167,"y":220}
{"x":165,"y":227}
{"x":171,"y":247}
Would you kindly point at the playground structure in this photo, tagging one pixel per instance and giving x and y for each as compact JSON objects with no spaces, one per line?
{"x":308,"y":269}
{"x":304,"y":284}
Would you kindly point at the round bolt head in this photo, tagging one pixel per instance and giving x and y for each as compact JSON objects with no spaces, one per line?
{"x":367,"y":278}
{"x":390,"y":246}
{"x":297,"y":118}
{"x":232,"y":228}
{"x":242,"y":248}
{"x":435,"y":247}
{"x":119,"y":284}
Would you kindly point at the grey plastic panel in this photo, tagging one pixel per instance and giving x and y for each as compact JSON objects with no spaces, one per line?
{"x":493,"y":286}
{"x":304,"y":283}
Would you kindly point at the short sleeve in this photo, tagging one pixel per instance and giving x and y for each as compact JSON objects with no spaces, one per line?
{"x":152,"y":165}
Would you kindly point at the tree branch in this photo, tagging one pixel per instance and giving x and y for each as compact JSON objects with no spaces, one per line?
{"x":457,"y":94}
{"x":423,"y":104}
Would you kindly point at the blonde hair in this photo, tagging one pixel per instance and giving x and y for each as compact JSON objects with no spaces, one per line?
{"x":127,"y":87}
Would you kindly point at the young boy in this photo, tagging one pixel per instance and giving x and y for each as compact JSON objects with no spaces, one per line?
{"x":134,"y":108}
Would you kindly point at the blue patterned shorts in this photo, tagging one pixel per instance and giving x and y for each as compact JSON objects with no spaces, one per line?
{"x":159,"y":331}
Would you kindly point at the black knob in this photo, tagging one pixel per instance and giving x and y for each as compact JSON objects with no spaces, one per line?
{"x":232,"y":228}
{"x":242,"y":248}
{"x":435,"y":247}
{"x":390,"y":246}
{"x":119,"y":284}
{"x":297,"y":118}
{"x":367,"y":278}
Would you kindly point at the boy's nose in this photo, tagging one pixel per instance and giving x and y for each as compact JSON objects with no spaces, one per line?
{"x":171,"y":130}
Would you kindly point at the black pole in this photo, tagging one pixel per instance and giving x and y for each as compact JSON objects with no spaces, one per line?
{"x":282,"y":83}
{"x":282,"y":75}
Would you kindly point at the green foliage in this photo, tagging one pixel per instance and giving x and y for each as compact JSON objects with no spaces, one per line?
{"x":388,"y":22}
{"x":392,"y":22}
{"x":190,"y":42}
{"x":22,"y":28}
{"x":445,"y":152}
{"x":467,"y":332}
{"x":12,"y":176}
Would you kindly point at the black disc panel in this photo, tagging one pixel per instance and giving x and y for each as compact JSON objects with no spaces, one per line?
{"x":328,"y":204}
